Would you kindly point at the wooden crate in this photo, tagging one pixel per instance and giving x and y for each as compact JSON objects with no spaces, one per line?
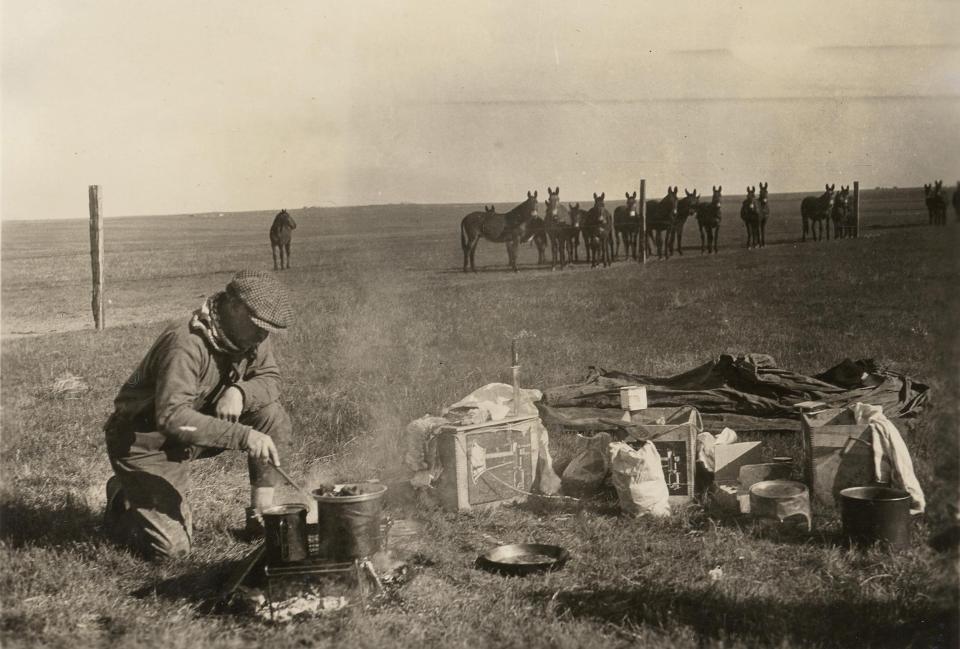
{"x":486,"y":465}
{"x":837,"y":453}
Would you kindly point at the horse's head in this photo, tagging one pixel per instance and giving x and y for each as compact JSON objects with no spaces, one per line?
{"x":668,"y":204}
{"x":552,"y":203}
{"x":489,"y":210}
{"x":937,"y":187}
{"x":528,"y":209}
{"x":631,"y":203}
{"x":575,"y":214}
{"x":716,"y":194}
{"x":927,"y":189}
{"x":763,"y":193}
{"x":598,"y":200}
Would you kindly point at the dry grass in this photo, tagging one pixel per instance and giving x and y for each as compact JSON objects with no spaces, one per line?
{"x":389,"y":329}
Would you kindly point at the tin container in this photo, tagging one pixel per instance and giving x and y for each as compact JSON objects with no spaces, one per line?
{"x":876,"y":514}
{"x":349,"y":526}
{"x":285,"y":533}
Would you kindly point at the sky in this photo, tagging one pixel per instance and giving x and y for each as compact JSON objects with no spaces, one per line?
{"x":186,"y":107}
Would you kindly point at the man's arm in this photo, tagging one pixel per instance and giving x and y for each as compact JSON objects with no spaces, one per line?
{"x":178,"y":370}
{"x":261,"y":382}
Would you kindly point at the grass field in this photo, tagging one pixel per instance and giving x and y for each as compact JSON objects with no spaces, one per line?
{"x":388,"y":329}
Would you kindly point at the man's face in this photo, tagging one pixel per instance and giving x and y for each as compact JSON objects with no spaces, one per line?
{"x":238,"y":326}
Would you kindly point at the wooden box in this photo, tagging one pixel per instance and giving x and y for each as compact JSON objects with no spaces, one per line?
{"x":674,"y":432}
{"x":485,"y":465}
{"x":837,"y":453}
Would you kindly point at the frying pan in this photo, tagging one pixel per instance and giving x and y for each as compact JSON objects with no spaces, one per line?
{"x":521,"y":559}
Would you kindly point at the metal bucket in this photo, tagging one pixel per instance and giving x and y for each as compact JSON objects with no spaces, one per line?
{"x":285,"y":533}
{"x":872,"y":514}
{"x":349,"y":526}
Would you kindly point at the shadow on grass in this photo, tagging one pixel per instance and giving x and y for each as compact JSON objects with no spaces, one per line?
{"x":203,"y":586}
{"x":63,"y":523}
{"x":712,"y":614}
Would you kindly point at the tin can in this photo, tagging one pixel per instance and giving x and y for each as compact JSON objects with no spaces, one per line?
{"x":285,"y":533}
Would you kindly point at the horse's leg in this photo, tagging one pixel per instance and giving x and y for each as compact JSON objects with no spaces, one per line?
{"x":474,"y":240}
{"x":273,"y":249}
{"x":287,"y":246}
{"x":680,"y":240}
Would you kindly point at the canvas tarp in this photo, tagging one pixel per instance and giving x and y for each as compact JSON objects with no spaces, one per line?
{"x":744,"y":392}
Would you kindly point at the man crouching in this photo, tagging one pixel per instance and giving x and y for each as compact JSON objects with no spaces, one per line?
{"x":206,"y":385}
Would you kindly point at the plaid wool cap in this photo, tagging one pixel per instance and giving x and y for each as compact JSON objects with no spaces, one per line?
{"x":267,"y":299}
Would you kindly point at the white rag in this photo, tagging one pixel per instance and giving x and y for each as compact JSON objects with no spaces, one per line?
{"x":891,"y":459}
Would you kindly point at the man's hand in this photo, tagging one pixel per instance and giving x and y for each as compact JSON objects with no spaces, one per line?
{"x":260,"y":447}
{"x":230,"y":404}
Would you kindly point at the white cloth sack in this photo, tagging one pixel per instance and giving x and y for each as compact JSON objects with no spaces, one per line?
{"x":891,"y":458}
{"x":638,"y":478}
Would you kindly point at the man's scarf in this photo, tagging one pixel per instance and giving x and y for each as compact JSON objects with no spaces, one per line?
{"x":206,"y":322}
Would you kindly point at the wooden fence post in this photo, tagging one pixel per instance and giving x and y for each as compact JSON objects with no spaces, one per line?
{"x":96,"y":255}
{"x":642,"y":241}
{"x":856,"y":209}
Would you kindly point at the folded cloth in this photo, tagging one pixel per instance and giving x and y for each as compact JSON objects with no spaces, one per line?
{"x":891,"y":458}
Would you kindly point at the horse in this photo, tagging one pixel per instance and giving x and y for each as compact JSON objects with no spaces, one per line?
{"x":936,"y":204}
{"x":596,"y":227}
{"x":280,"y":234}
{"x":576,"y":221}
{"x":661,"y":216}
{"x":512,"y":228}
{"x":956,"y":201}
{"x":708,"y":218}
{"x":763,"y":207}
{"x":558,"y":232}
{"x":750,"y":213}
{"x":814,"y":210}
{"x":626,"y":225}
{"x":841,"y":214}
{"x":685,"y":207}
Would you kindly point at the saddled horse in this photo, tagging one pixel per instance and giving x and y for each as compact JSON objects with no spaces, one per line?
{"x":685,"y":207}
{"x":708,"y":218}
{"x":763,"y":208}
{"x":512,"y":228}
{"x":841,"y":214}
{"x":626,"y":225}
{"x":936,"y":203}
{"x":661,"y":216}
{"x":750,"y":213}
{"x":281,"y":232}
{"x":815,"y":211}
{"x":596,"y":227}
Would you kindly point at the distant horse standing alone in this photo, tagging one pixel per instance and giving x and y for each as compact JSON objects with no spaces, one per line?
{"x":280,"y":236}
{"x":513,"y":228}
{"x":815,"y":211}
{"x":708,"y":218}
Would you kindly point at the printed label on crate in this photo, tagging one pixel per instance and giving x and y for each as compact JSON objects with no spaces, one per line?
{"x":500,"y":464}
{"x":673,"y":459}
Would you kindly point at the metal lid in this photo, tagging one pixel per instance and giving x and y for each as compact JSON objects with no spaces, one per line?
{"x":283,"y":510}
